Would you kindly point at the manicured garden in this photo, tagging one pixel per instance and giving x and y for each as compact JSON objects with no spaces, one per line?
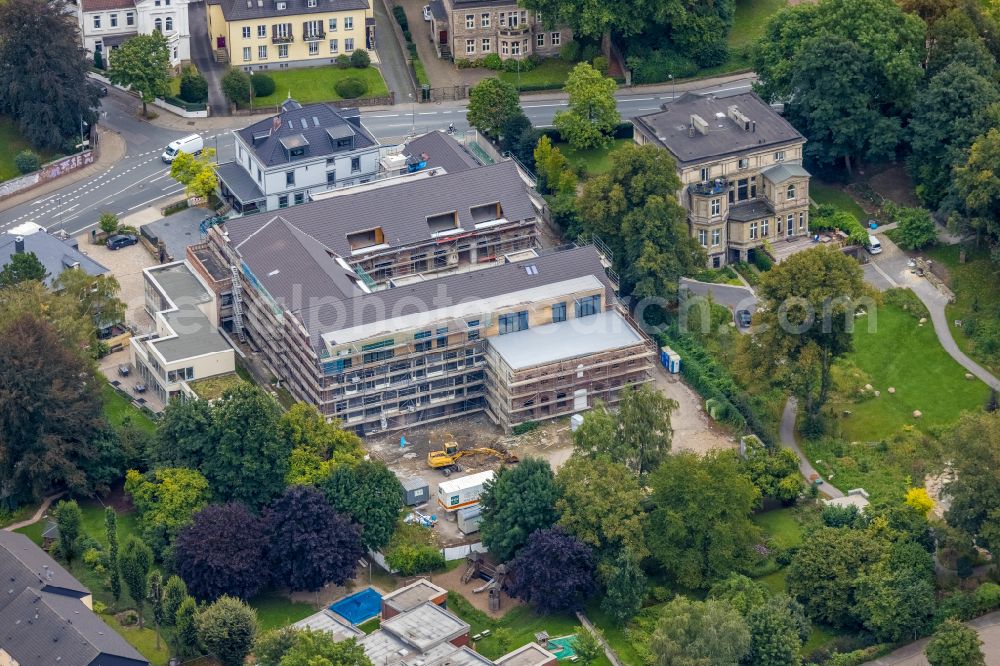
{"x":594,"y":161}
{"x":308,"y":85}
{"x":118,"y":409}
{"x":549,"y":73}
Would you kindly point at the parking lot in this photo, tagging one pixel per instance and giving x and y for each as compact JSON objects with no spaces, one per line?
{"x":126,"y":265}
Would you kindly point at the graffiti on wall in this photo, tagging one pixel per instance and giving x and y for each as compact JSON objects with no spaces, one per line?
{"x":48,"y":172}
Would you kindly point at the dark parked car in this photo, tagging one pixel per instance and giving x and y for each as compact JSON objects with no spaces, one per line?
{"x":743,"y":318}
{"x":119,"y":241}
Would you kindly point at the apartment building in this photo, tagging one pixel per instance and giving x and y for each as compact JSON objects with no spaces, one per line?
{"x":473,"y":29}
{"x":277,"y":34}
{"x":303,"y":150}
{"x":740,"y":166}
{"x":107,"y":24}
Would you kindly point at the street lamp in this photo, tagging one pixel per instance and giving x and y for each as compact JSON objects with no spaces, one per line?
{"x":673,"y":85}
{"x":251,"y":92}
{"x":413,"y":115}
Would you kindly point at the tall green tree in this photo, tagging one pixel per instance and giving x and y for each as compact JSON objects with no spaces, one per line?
{"x":186,"y":628}
{"x":700,"y":529}
{"x":174,"y":593}
{"x":775,"y":638}
{"x":955,"y":644}
{"x":625,"y":588}
{"x":775,"y":473}
{"x":227,"y":629}
{"x":43,"y":73}
{"x":588,"y":648}
{"x":977,"y":187}
{"x":113,"y":566}
{"x":975,"y":490}
{"x":135,"y":561}
{"x":317,"y":446}
{"x":22,"y":266}
{"x":69,"y":519}
{"x":917,"y":228}
{"x":492,"y":103}
{"x":691,"y":633}
{"x":236,"y":86}
{"x":742,"y":593}
{"x":154,"y":583}
{"x":313,"y":648}
{"x":897,"y":602}
{"x":143,"y":64}
{"x":592,"y":115}
{"x":165,"y":500}
{"x":371,"y":495}
{"x":97,"y":298}
{"x":518,"y":501}
{"x":184,"y":437}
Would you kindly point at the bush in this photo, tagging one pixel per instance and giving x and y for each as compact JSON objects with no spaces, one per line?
{"x":907,"y":300}
{"x":400,"y":15}
{"x":360,"y":59}
{"x":343,"y":61}
{"x":526,"y":427}
{"x":712,"y":53}
{"x":350,"y":88}
{"x":761,"y":260}
{"x":601,"y":65}
{"x":27,"y":161}
{"x":410,"y":560}
{"x":658,"y":66}
{"x":263,"y":85}
{"x":493,"y":61}
{"x":236,"y":86}
{"x":98,"y":60}
{"x":988,"y":597}
{"x":194,"y":87}
{"x":515,"y":65}
{"x":570,"y":51}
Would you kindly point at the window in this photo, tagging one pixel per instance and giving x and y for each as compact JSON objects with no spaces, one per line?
{"x":129,"y":18}
{"x":744,"y":162}
{"x":290,"y":178}
{"x":487,"y":45}
{"x":262,"y":31}
{"x":780,"y":227}
{"x":349,"y":44}
{"x":181,"y":374}
{"x":779,"y":156}
{"x":310,"y":3}
{"x":262,"y":52}
{"x":513,"y":322}
{"x":515,"y":48}
{"x":470,"y":21}
{"x":331,"y":177}
{"x":97,"y":22}
{"x":355,"y":164}
{"x":300,"y":197}
{"x":753,"y":230}
{"x":802,"y":221}
{"x":158,"y":25}
{"x":555,"y":38}
{"x":313,"y":48}
{"x":503,"y":19}
{"x":763,"y":229}
{"x":790,"y":191}
{"x":716,"y":206}
{"x":484,"y":21}
{"x":558,"y":312}
{"x":170,"y":24}
{"x":333,"y":46}
{"x":504,"y":48}
{"x":376,"y":356}
{"x":281,"y":6}
{"x":703,"y":174}
{"x":589,"y":305}
{"x":246,"y":32}
{"x":348,"y":23}
{"x":283,"y":201}
{"x":283,"y":50}
{"x":114,"y":20}
{"x":716,"y":237}
{"x":470,"y":46}
{"x":702,"y":237}
{"x":512,"y":19}
{"x":333,"y":25}
{"x":246,"y":54}
{"x":790,"y":227}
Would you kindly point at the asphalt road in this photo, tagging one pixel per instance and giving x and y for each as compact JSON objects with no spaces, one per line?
{"x":141,"y":178}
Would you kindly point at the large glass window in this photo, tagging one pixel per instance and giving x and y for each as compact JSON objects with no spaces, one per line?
{"x":558,"y":312}
{"x":588,"y":306}
{"x":513,"y":322}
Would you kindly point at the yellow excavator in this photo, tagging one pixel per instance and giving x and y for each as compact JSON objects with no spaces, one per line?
{"x":446,"y":459}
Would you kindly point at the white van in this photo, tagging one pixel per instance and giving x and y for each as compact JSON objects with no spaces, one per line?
{"x":192,"y":144}
{"x":873,"y":245}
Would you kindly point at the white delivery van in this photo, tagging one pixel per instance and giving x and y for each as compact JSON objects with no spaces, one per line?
{"x":873,"y":245}
{"x":192,"y":144}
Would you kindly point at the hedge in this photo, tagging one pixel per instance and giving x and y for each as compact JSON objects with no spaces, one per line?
{"x":187,"y":106}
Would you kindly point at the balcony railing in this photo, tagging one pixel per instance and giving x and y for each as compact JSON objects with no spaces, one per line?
{"x":520,"y":30}
{"x":313,"y":36}
{"x":709,"y":188}
{"x":282,"y":39}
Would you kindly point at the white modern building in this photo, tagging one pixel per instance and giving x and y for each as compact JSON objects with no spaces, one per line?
{"x":107,"y":24}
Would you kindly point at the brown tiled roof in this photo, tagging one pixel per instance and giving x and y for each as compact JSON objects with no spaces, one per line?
{"x":101,"y":5}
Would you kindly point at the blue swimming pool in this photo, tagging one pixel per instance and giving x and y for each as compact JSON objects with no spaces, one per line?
{"x":359,"y":607}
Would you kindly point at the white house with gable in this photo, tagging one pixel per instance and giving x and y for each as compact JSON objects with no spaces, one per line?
{"x":107,"y":24}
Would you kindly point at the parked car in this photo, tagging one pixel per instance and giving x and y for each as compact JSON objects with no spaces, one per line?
{"x":743,"y":318}
{"x":118,"y":241}
{"x":427,"y":13}
{"x":874,"y":247}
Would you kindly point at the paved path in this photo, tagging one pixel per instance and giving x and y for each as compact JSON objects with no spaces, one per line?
{"x":392,"y":62}
{"x":733,"y":297}
{"x":204,"y":59}
{"x":988,"y":627}
{"x":589,"y":626}
{"x":788,"y":439}
{"x":46,"y":503}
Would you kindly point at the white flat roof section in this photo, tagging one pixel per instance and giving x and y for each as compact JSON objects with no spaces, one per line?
{"x":327,"y":621}
{"x":572,"y":338}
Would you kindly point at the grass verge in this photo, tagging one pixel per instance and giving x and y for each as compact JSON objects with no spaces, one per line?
{"x":309,"y":85}
{"x":550,"y":72}
{"x":11,"y":144}
{"x":826,"y":193}
{"x":594,"y":161}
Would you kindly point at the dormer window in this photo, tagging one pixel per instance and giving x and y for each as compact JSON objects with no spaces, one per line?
{"x":310,"y":3}
{"x":281,"y":6}
{"x":443,"y":222}
{"x":486,"y":212}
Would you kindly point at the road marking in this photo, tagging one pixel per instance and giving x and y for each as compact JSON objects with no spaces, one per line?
{"x":427,"y":113}
{"x":635,"y":99}
{"x":388,"y":115}
{"x":542,"y":106}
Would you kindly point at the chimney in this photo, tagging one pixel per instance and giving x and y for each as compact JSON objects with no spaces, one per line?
{"x":753,"y":124}
{"x":19,"y":244}
{"x":276,"y":123}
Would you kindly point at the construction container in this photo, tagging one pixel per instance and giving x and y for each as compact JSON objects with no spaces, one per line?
{"x":415,"y":490}
{"x":469,"y":519}
{"x":670,"y":359}
{"x":455,"y":494}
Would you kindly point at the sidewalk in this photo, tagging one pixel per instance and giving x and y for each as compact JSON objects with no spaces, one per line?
{"x":111,"y":149}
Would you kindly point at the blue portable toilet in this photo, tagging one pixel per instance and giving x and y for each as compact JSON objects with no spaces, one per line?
{"x":670,"y":359}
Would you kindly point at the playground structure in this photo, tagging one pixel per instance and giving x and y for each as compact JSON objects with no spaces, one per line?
{"x":446,"y":459}
{"x":494,"y":575}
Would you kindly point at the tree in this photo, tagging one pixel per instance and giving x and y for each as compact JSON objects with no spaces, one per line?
{"x":135,"y":560}
{"x":586,"y":646}
{"x":186,"y":628}
{"x":360,"y":59}
{"x":155,"y":585}
{"x":518,"y":501}
{"x":774,"y":473}
{"x":554,"y":173}
{"x":512,"y":132}
{"x":310,"y":543}
{"x":41,"y":365}
{"x":691,"y":633}
{"x":227,"y":629}
{"x":491,"y":103}
{"x":700,"y":528}
{"x":195,"y":172}
{"x":632,"y":208}
{"x":318,"y":648}
{"x":222,"y":552}
{"x":174,"y":594}
{"x":626,"y":588}
{"x":69,"y":519}
{"x":554,"y":572}
{"x":897,"y":603}
{"x":826,"y":570}
{"x":27,"y":162}
{"x":371,"y":495}
{"x":919,"y":500}
{"x":95,"y":298}
{"x":194,"y":86}
{"x":916,"y":229}
{"x":46,"y":90}
{"x":806,"y":321}
{"x":142,"y":63}
{"x":955,"y":644}
{"x":977,"y":187}
{"x":111,"y":534}
{"x":316,"y":445}
{"x":592,"y":115}
{"x":21,"y":267}
{"x":250,"y":460}
{"x":975,"y":490}
{"x":108,"y":223}
{"x":271,"y":646}
{"x":775,"y":633}
{"x":236,"y":86}
{"x":184,"y":436}
{"x":165,"y":500}
{"x":742,"y":593}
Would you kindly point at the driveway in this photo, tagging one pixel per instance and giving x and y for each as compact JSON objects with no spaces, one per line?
{"x":180,"y":230}
{"x":392,"y":62}
{"x":805,"y":467}
{"x":204,"y":58}
{"x":442,"y":73}
{"x":988,"y":627}
{"x":733,"y":297}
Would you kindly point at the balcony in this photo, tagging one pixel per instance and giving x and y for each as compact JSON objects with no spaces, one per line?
{"x":519,"y":31}
{"x":313,"y":36}
{"x":282,"y":39}
{"x":709,"y":188}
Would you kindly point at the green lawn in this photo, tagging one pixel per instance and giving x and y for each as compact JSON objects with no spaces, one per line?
{"x":594,"y":160}
{"x":371,"y":625}
{"x":11,"y":144}
{"x":315,"y":84}
{"x":118,"y":408}
{"x":781,"y":526}
{"x":617,"y":637}
{"x":143,"y":640}
{"x":824,"y":193}
{"x":749,"y":21}
{"x":275,"y":610}
{"x":549,"y":72}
